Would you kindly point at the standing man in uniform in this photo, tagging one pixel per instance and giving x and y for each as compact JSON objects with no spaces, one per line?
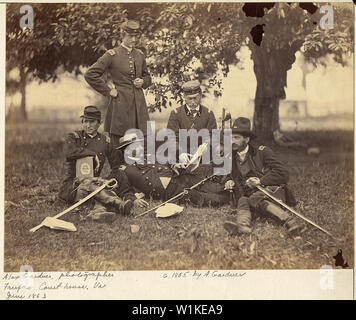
{"x":253,"y":166}
{"x":192,"y":115}
{"x":88,"y":142}
{"x":127,"y":66}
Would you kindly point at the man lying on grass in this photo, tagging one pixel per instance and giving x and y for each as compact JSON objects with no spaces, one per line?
{"x":86,"y":151}
{"x":253,"y":166}
{"x":163,"y":181}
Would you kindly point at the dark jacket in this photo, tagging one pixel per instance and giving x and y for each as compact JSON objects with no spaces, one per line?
{"x":146,"y":178}
{"x":79,"y":145}
{"x":259,"y":162}
{"x":128,"y":110}
{"x":180,"y":119}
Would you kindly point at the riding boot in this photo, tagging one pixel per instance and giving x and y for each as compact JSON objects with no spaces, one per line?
{"x":109,"y":198}
{"x":243,"y":220}
{"x":100,"y":214}
{"x":292,"y":224}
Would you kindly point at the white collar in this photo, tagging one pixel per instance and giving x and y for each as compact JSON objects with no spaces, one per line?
{"x":127,"y":48}
{"x":190,"y":109}
{"x":92,"y":136}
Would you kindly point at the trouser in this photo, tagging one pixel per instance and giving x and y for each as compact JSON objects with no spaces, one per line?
{"x":197,"y":196}
{"x":106,"y":197}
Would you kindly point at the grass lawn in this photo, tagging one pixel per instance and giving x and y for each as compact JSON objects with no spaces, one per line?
{"x":323,"y":185}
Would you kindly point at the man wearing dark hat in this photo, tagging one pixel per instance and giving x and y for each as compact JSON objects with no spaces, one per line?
{"x":192,"y":115}
{"x":252,"y":166}
{"x":83,"y":177}
{"x":127,"y":67}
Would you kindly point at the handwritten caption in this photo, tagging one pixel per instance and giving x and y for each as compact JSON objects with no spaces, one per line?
{"x":213,"y":274}
{"x":33,"y":286}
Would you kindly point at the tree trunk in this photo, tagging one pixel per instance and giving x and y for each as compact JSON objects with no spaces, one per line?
{"x":23,"y":113}
{"x":270,"y":66}
{"x":266,"y":117}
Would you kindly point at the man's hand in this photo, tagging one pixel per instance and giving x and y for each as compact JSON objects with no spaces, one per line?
{"x":253,"y":182}
{"x":140,"y":203}
{"x":113,"y":93}
{"x":229,"y":185}
{"x":138,"y":82}
{"x":175,"y":167}
{"x":184,"y":158}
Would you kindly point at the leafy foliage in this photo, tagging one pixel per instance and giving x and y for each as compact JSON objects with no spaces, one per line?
{"x":181,"y":40}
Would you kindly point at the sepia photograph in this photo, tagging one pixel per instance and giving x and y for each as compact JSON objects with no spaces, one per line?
{"x":179,"y":136}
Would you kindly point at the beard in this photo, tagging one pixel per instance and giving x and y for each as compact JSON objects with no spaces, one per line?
{"x":239,"y":148}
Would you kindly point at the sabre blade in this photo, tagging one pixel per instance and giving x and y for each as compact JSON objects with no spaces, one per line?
{"x":108,"y":183}
{"x":295,"y":212}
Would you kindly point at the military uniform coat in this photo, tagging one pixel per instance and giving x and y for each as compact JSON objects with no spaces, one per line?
{"x":181,"y":119}
{"x":79,"y":145}
{"x":260,"y":162}
{"x":128,"y":110}
{"x":146,"y":178}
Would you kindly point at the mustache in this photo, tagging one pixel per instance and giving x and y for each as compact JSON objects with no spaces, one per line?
{"x":193,"y":103}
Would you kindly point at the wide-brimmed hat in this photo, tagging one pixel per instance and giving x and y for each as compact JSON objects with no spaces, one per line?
{"x":128,"y":139}
{"x":242,"y":126}
{"x":131,"y":27}
{"x":191,"y":87}
{"x":91,"y":112}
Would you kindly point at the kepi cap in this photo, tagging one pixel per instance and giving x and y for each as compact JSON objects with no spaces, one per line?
{"x":131,"y":27}
{"x":91,"y":112}
{"x":191,"y":87}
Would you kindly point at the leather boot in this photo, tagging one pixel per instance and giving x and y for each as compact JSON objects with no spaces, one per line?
{"x":292,"y":224}
{"x":244,"y":221}
{"x":242,"y":224}
{"x":100,"y":214}
{"x":109,"y":198}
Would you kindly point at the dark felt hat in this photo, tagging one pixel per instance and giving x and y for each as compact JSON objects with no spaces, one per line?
{"x":191,"y":87}
{"x":128,"y":139}
{"x":243,"y":126}
{"x":91,"y":112}
{"x":131,"y":27}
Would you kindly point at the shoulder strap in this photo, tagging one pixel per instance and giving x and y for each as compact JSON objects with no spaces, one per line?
{"x":75,"y":134}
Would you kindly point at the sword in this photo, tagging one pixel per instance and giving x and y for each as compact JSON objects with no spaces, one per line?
{"x":280,"y":202}
{"x":109,"y":183}
{"x":183,"y":193}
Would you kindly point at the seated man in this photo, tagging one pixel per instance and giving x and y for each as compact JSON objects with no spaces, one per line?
{"x":192,"y":115}
{"x":253,"y":166}
{"x":95,"y":147}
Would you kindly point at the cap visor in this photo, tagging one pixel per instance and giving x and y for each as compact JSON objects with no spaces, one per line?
{"x":128,"y":142}
{"x":90,"y":118}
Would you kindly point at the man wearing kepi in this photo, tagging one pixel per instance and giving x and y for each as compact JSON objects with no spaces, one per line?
{"x":192,"y":115}
{"x":253,"y":166}
{"x":86,"y":151}
{"x":127,"y":66}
